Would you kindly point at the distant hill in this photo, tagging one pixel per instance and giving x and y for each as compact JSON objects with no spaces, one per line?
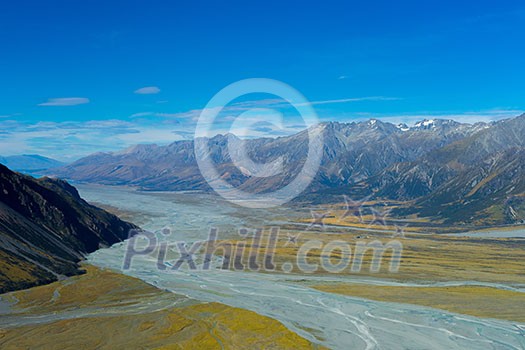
{"x":30,"y":163}
{"x":46,"y":228}
{"x":452,"y":171}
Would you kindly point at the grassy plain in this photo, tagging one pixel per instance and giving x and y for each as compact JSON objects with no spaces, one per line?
{"x":119,"y":312}
{"x":469,"y":300}
{"x":425,"y":259}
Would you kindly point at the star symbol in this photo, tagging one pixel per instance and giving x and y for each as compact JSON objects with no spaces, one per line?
{"x":400,"y":231}
{"x":317,"y":219}
{"x":379,"y":216}
{"x":292,"y":239}
{"x":354,"y":208}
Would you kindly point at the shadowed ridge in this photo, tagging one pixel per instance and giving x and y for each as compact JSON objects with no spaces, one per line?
{"x":46,"y":228}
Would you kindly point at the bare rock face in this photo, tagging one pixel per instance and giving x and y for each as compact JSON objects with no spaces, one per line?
{"x":46,"y":229}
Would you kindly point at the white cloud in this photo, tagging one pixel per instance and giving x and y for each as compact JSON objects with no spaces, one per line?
{"x":141,"y":114}
{"x":354,"y":99}
{"x":72,"y":140}
{"x":157,"y":115}
{"x":65,"y":101}
{"x":148,"y":90}
{"x":342,"y":77}
{"x":265,"y":103}
{"x":194,"y":114}
{"x":167,"y":115}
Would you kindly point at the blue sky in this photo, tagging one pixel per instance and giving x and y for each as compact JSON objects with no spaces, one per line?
{"x":102,"y":75}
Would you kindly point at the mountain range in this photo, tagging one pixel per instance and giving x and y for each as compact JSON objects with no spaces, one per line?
{"x":46,"y":229}
{"x":450,"y":171}
{"x":29,"y":163}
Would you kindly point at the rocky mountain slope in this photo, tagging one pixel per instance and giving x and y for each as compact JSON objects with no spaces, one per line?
{"x":46,"y":228}
{"x":470,"y":180}
{"x":435,"y":163}
{"x":352,"y":152}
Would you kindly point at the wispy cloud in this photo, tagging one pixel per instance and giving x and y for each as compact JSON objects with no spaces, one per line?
{"x":157,"y":114}
{"x":72,"y":140}
{"x":65,"y":101}
{"x":342,"y":77}
{"x":167,"y":115}
{"x":141,"y":114}
{"x":148,"y":90}
{"x":229,"y":112}
{"x":276,"y":104}
{"x":268,"y":103}
{"x":354,"y":99}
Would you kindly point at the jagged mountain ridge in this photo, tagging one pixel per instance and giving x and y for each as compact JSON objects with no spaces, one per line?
{"x":393,"y":162}
{"x":352,"y":152}
{"x":413,"y":179}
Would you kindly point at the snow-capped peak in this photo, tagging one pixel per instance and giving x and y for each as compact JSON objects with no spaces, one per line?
{"x":426,"y":123}
{"x":402,"y":127}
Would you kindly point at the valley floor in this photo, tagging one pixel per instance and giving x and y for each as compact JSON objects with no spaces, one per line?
{"x":107,"y":310}
{"x":479,"y":301}
{"x":482,"y":277}
{"x":442,"y":283}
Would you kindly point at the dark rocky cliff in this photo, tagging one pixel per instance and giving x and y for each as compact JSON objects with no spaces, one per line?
{"x":46,"y":229}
